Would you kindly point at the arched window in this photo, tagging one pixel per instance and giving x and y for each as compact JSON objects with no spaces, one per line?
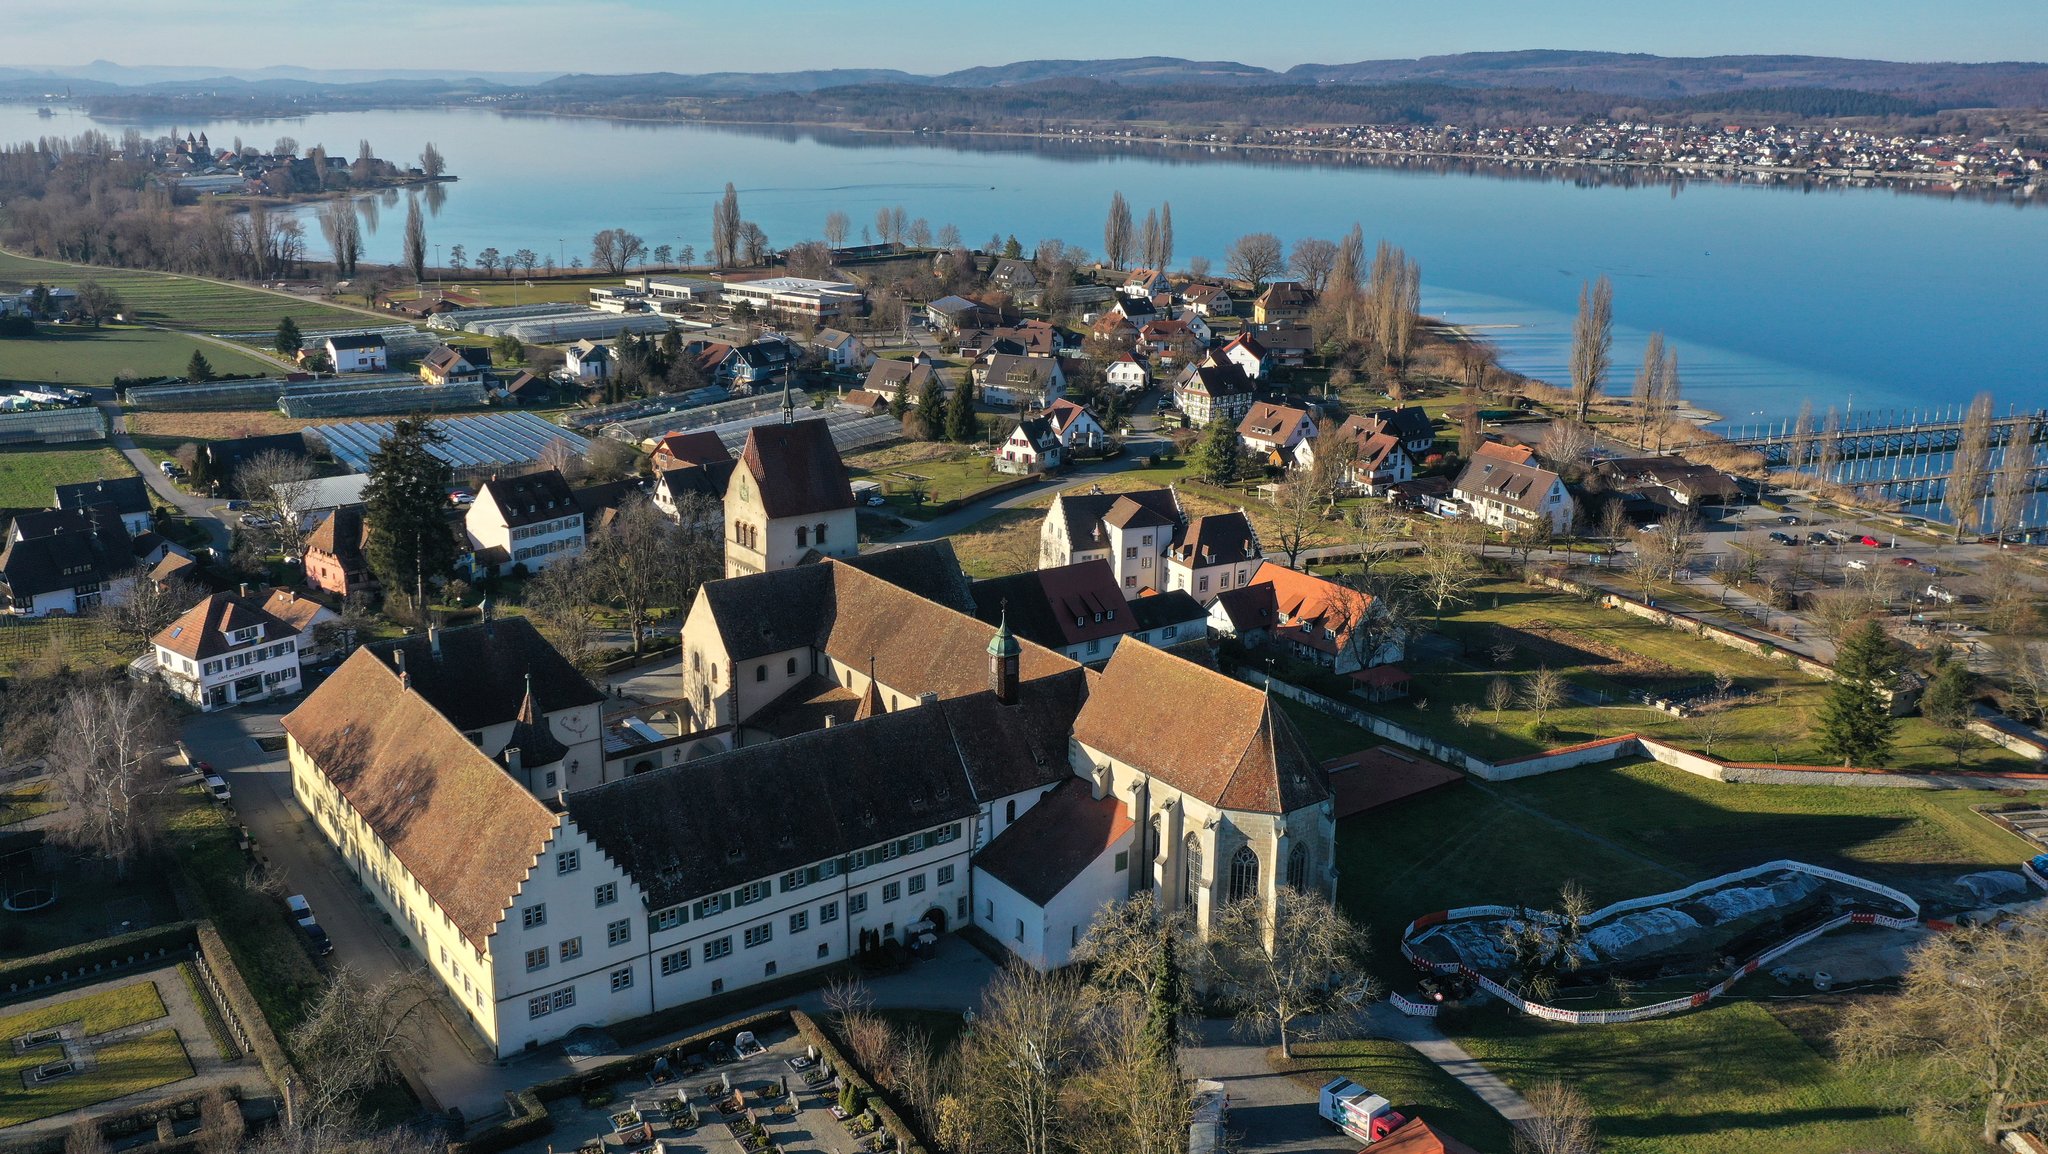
{"x":1191,"y":855}
{"x":1297,"y":867}
{"x":819,"y":534}
{"x":802,"y":536}
{"x":761,"y":672}
{"x":792,"y":667}
{"x":1244,"y":874}
{"x":1010,"y":811}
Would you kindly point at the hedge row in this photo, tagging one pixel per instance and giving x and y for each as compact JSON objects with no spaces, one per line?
{"x":891,"y":1120}
{"x":241,"y":1008}
{"x":30,"y":975}
{"x":123,"y":1123}
{"x":530,"y":1118}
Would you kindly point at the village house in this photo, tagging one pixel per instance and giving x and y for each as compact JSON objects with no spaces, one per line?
{"x":1313,"y":619}
{"x":1136,"y":311}
{"x":1283,"y":301}
{"x":865,"y":403}
{"x":1212,"y":391}
{"x":1246,"y":353}
{"x":1131,"y":531}
{"x":1144,"y":284}
{"x":1271,"y":433}
{"x":842,"y":351}
{"x":128,"y":497}
{"x":1032,"y":447}
{"x":448,"y":365}
{"x":1030,"y":382}
{"x":950,"y":314}
{"x":357,"y":353}
{"x":676,"y":450}
{"x":1286,"y":343}
{"x":889,"y":378}
{"x":1210,"y":300}
{"x":66,"y":561}
{"x":1378,"y":458}
{"x":1672,"y":482}
{"x":1129,"y":373}
{"x":1173,"y":341}
{"x":758,"y":365}
{"x":1113,"y":329}
{"x":588,"y":360}
{"x":1513,"y":497}
{"x":674,"y":485}
{"x":1077,"y":427}
{"x":788,"y":500}
{"x":227,"y":650}
{"x":305,"y":616}
{"x":1080,"y":610}
{"x":1018,"y":279}
{"x":1213,"y":555}
{"x":532,"y":520}
{"x":334,"y":560}
{"x":527,"y":388}
{"x":1501,"y":451}
{"x":1410,"y":423}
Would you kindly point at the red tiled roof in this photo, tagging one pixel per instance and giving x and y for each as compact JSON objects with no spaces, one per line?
{"x":1419,"y":1137}
{"x":797,"y":469}
{"x":1382,"y":775}
{"x":1047,"y":848}
{"x":203,"y":630}
{"x":696,"y":448}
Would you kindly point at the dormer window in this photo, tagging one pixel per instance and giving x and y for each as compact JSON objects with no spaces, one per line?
{"x":243,"y":636}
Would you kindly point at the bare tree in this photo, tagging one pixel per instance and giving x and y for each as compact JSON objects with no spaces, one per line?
{"x":1649,"y":388}
{"x":1148,"y":240}
{"x":1165,"y":235}
{"x":615,"y":249}
{"x":1543,"y":691}
{"x":1130,"y":1099}
{"x":106,"y":772}
{"x":1254,"y":259}
{"x":1311,"y":262}
{"x":415,"y":239}
{"x":1710,"y":713}
{"x":2013,"y":488}
{"x":1801,"y":448}
{"x":564,"y":605}
{"x":431,"y":161}
{"x":725,"y":229}
{"x":1373,"y":618}
{"x":1121,"y":943}
{"x":1445,"y":568}
{"x":1116,"y":232}
{"x":344,"y":232}
{"x":1300,"y":507}
{"x":809,"y":259}
{"x":1674,"y":542}
{"x":1560,"y":1121}
{"x":1020,"y":1059}
{"x":1592,"y":343}
{"x":1567,"y":445}
{"x":836,"y":224}
{"x":1965,"y":1037}
{"x":1964,"y":494}
{"x":342,"y":1136}
{"x":1500,"y":696}
{"x":279,"y":486}
{"x":643,"y":561}
{"x":150,"y":606}
{"x":1664,"y":404}
{"x":1828,"y":452}
{"x":1297,"y":971}
{"x":1393,"y":293}
{"x":354,"y":1038}
{"x":96,"y":302}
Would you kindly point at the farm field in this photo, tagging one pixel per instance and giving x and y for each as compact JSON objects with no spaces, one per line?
{"x":28,"y":473}
{"x":155,"y":427}
{"x":180,"y":302}
{"x":1609,"y":656}
{"x":82,"y":357}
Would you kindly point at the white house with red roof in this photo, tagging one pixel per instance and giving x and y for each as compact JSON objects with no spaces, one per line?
{"x":1272,"y":433}
{"x":227,"y":650}
{"x":1076,"y":426}
{"x":1247,"y":354}
{"x":1129,"y":373}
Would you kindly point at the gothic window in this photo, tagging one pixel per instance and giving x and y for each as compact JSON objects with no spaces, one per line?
{"x":1191,"y":851}
{"x":1244,"y":874}
{"x":802,"y":536}
{"x":1297,"y":867}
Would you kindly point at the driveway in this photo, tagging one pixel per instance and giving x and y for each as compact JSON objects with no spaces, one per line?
{"x":204,"y":511}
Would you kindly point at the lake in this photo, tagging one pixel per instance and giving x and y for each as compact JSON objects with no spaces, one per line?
{"x":1863,"y":298}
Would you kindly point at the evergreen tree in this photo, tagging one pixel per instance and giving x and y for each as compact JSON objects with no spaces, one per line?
{"x":198,"y":370}
{"x":1856,"y":724}
{"x":1165,"y":1001}
{"x":899,"y":404}
{"x":1218,"y":456}
{"x":962,"y":425}
{"x":409,"y":545}
{"x":1012,"y":249}
{"x":289,"y":342}
{"x":931,"y":410}
{"x":1947,"y":700}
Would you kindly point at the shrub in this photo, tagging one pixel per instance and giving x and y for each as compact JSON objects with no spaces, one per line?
{"x":1543,"y":730}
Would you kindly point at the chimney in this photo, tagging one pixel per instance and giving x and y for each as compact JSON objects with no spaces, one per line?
{"x":244,"y":587}
{"x":828,"y":721}
{"x":512,"y":764}
{"x":404,"y":678}
{"x":434,"y":640}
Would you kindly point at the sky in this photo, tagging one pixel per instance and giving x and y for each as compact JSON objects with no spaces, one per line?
{"x":933,"y":36}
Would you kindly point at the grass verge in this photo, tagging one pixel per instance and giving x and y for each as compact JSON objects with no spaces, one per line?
{"x":126,"y":1067}
{"x":29,"y":473}
{"x":1414,"y":1084}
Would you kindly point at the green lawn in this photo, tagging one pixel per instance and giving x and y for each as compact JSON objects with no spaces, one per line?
{"x":1729,"y":1080}
{"x":98,"y":1013}
{"x":1411,"y":1082}
{"x":30,"y":473}
{"x":83,"y":356}
{"x":1613,"y":653}
{"x":1327,"y":737}
{"x":24,"y":802}
{"x":179,"y":302}
{"x":957,"y":476}
{"x":126,"y":1067}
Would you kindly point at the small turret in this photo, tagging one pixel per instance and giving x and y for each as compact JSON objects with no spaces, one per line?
{"x":1004,"y":658}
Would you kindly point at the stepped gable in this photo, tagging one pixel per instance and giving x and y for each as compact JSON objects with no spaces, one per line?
{"x":1194,"y":729}
{"x":459,"y":824}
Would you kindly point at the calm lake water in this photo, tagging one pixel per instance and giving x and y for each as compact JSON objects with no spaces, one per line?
{"x":1863,"y":298}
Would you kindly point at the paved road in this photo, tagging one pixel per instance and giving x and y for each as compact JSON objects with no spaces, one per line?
{"x":205,"y":512}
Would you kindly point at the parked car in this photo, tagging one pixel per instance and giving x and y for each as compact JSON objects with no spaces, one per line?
{"x":1945,"y":596}
{"x":170,"y":468}
{"x":1873,"y":542}
{"x":1856,"y":563}
{"x":1788,"y":519}
{"x":301,"y":912}
{"x":218,"y":787}
{"x":1908,"y":562}
{"x":461,"y":497}
{"x":1837,"y":536}
{"x":1817,"y":539}
{"x":877,"y":500}
{"x":1784,"y":539}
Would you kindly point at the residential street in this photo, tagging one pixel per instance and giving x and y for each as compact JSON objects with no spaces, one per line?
{"x":204,"y":511}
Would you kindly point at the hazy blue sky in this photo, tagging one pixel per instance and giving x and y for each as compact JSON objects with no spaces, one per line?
{"x":935,"y":36}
